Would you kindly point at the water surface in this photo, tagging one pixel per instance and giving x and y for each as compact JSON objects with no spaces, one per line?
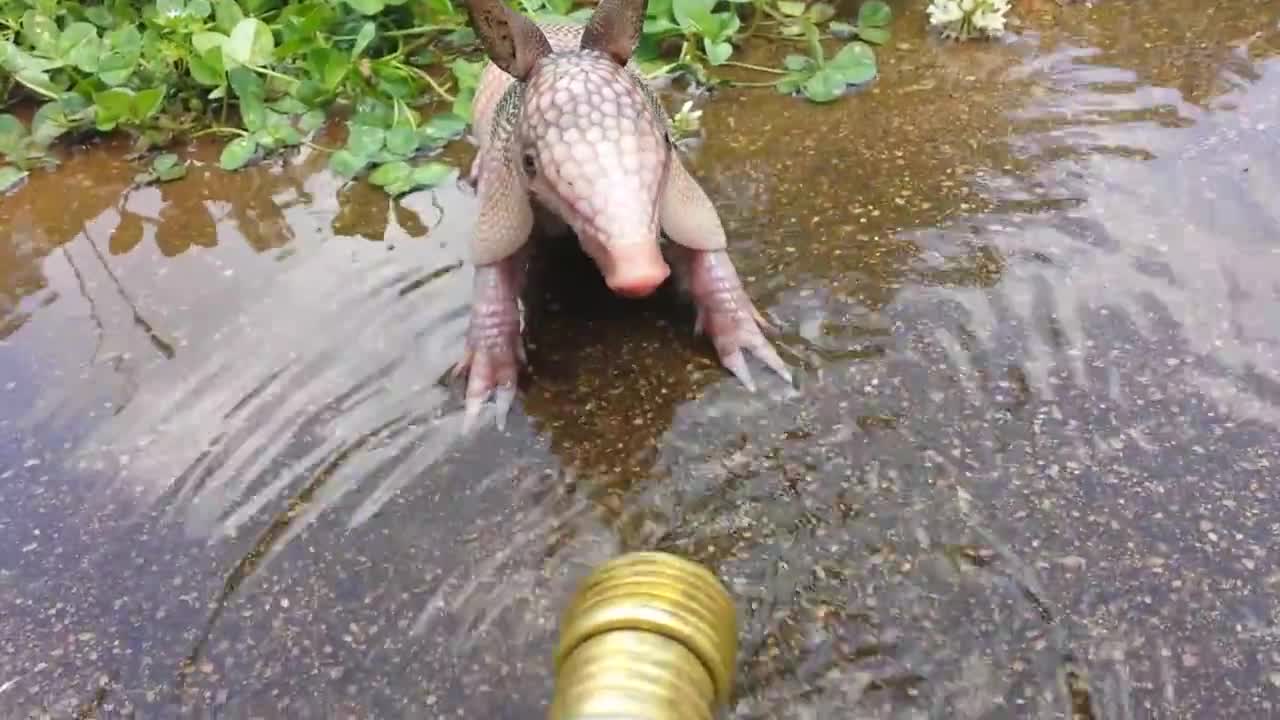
{"x":1029,"y":288}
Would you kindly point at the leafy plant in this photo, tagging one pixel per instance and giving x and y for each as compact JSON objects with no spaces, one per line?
{"x":267,"y":75}
{"x":823,"y":80}
{"x":872,"y":26}
{"x":165,"y":167}
{"x":798,"y":18}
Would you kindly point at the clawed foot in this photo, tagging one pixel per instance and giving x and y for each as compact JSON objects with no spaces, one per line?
{"x":494,"y":352}
{"x":727,"y":315}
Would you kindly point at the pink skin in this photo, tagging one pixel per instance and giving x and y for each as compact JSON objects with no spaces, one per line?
{"x":725,"y":312}
{"x":585,"y":148}
{"x":632,"y":270}
{"x":494,"y":352}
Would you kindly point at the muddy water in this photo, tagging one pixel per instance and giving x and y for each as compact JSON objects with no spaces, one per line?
{"x":1028,"y":472}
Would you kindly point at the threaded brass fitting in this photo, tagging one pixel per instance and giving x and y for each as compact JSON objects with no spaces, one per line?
{"x":647,"y":636}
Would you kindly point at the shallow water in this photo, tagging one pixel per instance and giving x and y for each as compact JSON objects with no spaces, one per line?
{"x":1029,"y":288}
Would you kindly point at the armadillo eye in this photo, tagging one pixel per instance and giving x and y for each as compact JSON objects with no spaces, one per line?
{"x":530,"y":164}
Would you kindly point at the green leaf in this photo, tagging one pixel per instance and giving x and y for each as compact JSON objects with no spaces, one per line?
{"x":288,"y":105}
{"x":874,"y":13}
{"x":462,"y":103}
{"x":824,"y":86}
{"x":431,"y":174}
{"x":253,"y":112}
{"x":237,"y":153}
{"x":147,"y":103}
{"x":286,"y":134}
{"x":393,"y":82}
{"x":346,"y":164}
{"x":123,"y":50}
{"x":367,"y":7}
{"x":227,"y":14}
{"x":205,"y":41}
{"x":55,"y":118}
{"x":798,"y":63}
{"x":820,"y":12}
{"x":164,"y":161}
{"x":695,"y":15}
{"x":363,"y":38}
{"x":10,"y":176}
{"x":264,"y":139}
{"x":166,"y":167}
{"x":39,"y":81}
{"x":443,"y":127}
{"x":311,"y":121}
{"x":794,"y":8}
{"x":170,"y":7}
{"x":791,"y":83}
{"x":717,"y":52}
{"x":199,"y":9}
{"x":100,"y":16}
{"x":365,"y":140}
{"x":207,"y":68}
{"x":854,"y":64}
{"x":876,"y":35}
{"x":246,"y":83}
{"x":11,"y":127}
{"x":391,"y":173}
{"x":48,"y":124}
{"x":467,"y":73}
{"x":306,"y":25}
{"x":114,"y":105}
{"x":402,"y":141}
{"x":40,"y":32}
{"x":327,"y":66}
{"x":250,"y":43}
{"x":79,"y":45}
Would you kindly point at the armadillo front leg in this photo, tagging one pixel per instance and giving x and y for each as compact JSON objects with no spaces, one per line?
{"x":725,"y":312}
{"x":494,"y":351}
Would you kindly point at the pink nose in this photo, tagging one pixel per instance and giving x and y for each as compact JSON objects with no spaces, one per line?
{"x":638,"y":282}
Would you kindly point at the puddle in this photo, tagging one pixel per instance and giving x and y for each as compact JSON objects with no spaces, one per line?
{"x":1028,"y":288}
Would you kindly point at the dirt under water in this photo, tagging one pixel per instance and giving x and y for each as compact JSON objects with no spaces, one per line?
{"x":1029,"y":468}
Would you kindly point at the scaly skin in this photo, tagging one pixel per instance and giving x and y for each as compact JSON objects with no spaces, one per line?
{"x":566,"y":127}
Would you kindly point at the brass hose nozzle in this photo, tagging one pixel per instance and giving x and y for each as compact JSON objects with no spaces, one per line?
{"x":647,"y":636}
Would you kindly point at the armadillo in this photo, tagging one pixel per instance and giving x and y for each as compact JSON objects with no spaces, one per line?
{"x":568,"y":130}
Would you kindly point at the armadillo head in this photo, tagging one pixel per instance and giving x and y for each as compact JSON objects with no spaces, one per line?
{"x":590,"y":141}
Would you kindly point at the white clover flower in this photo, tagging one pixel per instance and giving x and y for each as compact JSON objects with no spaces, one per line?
{"x":687,"y":120}
{"x":963,"y":19}
{"x":944,"y":12}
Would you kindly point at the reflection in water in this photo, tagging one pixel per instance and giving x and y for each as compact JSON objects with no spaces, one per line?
{"x":1026,"y":473}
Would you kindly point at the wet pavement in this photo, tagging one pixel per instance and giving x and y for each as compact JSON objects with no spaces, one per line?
{"x":1028,"y":471}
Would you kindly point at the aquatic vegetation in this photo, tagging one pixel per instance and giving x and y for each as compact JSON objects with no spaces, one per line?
{"x":267,"y":75}
{"x":965,"y":19}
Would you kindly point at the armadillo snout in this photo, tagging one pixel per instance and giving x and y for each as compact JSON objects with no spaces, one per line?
{"x":599,"y":155}
{"x":630,"y":270}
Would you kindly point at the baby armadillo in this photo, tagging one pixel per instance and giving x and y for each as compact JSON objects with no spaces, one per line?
{"x":568,"y":128}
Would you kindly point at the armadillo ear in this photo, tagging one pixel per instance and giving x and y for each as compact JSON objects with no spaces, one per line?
{"x":511,"y":40}
{"x":615,"y":28}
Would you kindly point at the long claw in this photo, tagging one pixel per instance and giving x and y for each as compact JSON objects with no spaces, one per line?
{"x":471,"y":413}
{"x":502,"y":399}
{"x":737,"y":364}
{"x":494,"y":352}
{"x":728,"y":316}
{"x":767,"y":355}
